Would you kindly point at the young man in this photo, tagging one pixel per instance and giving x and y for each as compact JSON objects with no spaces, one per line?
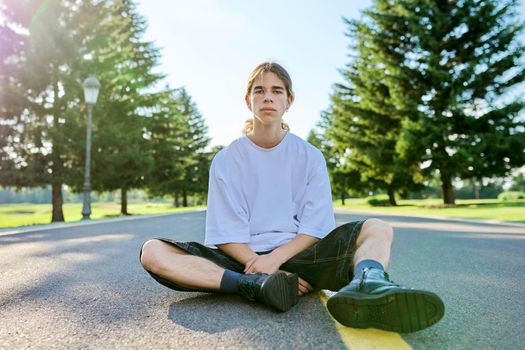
{"x":270,"y":229}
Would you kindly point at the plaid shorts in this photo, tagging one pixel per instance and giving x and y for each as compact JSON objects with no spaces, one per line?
{"x":328,"y":264}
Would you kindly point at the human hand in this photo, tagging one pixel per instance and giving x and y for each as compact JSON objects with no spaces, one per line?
{"x":265,"y":263}
{"x":304,"y":287}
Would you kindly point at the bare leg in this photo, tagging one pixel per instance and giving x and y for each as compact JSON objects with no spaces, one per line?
{"x":174,"y":264}
{"x":374,"y":242}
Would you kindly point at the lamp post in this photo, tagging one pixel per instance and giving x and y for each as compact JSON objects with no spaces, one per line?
{"x":91,"y":88}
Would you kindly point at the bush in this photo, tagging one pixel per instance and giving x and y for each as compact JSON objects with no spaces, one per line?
{"x":380,"y":200}
{"x":490,"y":190}
{"x":511,"y":195}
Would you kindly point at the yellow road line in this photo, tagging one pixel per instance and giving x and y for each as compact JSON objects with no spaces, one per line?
{"x":364,"y":339}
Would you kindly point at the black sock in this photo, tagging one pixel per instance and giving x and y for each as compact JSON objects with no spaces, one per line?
{"x":363,"y":264}
{"x":230,"y":281}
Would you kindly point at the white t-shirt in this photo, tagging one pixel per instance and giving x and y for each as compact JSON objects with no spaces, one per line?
{"x":265,"y":196}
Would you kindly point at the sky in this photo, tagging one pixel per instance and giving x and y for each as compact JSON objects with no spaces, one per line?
{"x":210,"y":47}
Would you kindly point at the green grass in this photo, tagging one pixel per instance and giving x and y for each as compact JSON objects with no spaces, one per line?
{"x":485,"y":209}
{"x":14,"y":215}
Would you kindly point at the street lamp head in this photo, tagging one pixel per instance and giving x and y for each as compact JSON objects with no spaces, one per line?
{"x":91,"y":87}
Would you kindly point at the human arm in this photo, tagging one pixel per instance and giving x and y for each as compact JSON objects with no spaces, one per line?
{"x":271,"y":262}
{"x":239,"y":251}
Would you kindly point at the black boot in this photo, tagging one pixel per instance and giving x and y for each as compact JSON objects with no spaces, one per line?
{"x":277,"y":290}
{"x":372,"y":300}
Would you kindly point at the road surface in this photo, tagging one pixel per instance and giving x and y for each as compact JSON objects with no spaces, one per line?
{"x":81,"y":286}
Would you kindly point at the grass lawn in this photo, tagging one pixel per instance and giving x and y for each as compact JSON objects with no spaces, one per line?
{"x":486,"y":209}
{"x":13,"y":215}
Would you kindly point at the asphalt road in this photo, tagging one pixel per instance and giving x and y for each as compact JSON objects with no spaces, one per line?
{"x":82,"y":287}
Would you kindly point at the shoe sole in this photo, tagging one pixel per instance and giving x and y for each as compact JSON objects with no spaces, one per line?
{"x":280,"y":291}
{"x":401,"y":311}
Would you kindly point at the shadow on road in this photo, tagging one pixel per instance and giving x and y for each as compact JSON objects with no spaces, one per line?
{"x":216,"y":313}
{"x":221,"y":313}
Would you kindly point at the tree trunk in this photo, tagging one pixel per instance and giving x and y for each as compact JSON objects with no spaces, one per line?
{"x":343,"y":197}
{"x":124,"y":201}
{"x":56,"y":200}
{"x":391,"y":197}
{"x":447,"y":190}
{"x":184,"y":198}
{"x":176,"y":200}
{"x":477,"y":187}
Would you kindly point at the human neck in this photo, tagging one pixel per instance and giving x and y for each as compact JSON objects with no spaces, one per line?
{"x":267,"y":136}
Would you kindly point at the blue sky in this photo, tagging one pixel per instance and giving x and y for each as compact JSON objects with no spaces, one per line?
{"x":210,"y":47}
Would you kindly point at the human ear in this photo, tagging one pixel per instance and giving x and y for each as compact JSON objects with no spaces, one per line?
{"x":290,"y":101}
{"x":248,"y":102}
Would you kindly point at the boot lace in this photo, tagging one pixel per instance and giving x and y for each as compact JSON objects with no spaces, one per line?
{"x":364,"y":275}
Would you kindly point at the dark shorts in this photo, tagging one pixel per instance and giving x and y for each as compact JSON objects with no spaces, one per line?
{"x":328,"y":264}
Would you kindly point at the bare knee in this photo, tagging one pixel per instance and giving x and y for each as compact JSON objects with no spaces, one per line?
{"x":149,"y":254}
{"x":378,"y":229}
{"x":153,"y":253}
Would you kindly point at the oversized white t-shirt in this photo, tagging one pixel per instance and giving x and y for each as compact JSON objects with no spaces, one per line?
{"x":266,"y":196}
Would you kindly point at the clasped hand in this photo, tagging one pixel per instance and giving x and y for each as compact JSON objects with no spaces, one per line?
{"x":265,"y":263}
{"x":269,"y":264}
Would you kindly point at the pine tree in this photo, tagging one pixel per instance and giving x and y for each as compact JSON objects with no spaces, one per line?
{"x":178,"y":140}
{"x":442,"y":69}
{"x":11,"y":101}
{"x":194,"y":160}
{"x":165,"y":128}
{"x":44,"y":117}
{"x":124,"y":63}
{"x":41,"y":93}
{"x":195,"y":179}
{"x":363,"y":123}
{"x":452,"y":63}
{"x":343,"y":179}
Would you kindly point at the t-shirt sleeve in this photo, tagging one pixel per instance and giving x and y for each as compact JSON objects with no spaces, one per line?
{"x":226,"y":220}
{"x":317,"y":214}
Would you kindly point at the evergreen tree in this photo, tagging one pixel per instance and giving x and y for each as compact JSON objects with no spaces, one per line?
{"x":11,"y":101}
{"x":179,"y":138}
{"x":343,"y":180}
{"x":41,"y":92}
{"x":452,"y":63}
{"x":165,"y":129}
{"x":124,"y":63}
{"x":60,"y":42}
{"x":363,"y":123}
{"x":195,"y":136}
{"x":429,"y":82}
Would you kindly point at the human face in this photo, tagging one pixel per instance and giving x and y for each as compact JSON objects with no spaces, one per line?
{"x":268,"y":99}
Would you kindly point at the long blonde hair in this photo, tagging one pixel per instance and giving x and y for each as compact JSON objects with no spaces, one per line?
{"x":258,"y":71}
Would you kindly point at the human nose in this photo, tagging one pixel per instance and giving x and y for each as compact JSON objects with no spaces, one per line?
{"x":267,"y":97}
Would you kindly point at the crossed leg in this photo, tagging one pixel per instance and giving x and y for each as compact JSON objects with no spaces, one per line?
{"x":194,"y":272}
{"x":176,"y":265}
